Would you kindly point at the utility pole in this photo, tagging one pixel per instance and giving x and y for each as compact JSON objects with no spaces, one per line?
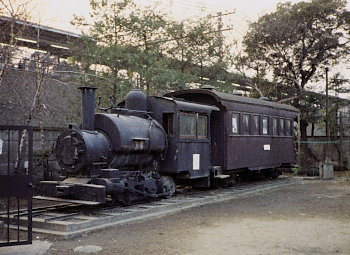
{"x":299,"y":142}
{"x":341,"y":131}
{"x":327,"y":115}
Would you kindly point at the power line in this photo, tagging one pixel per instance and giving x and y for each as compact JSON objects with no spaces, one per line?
{"x":204,"y":4}
{"x":196,"y":4}
{"x":222,"y":14}
{"x":187,"y":4}
{"x":248,"y":19}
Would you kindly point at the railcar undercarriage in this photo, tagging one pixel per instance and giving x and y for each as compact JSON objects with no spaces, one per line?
{"x":125,"y":187}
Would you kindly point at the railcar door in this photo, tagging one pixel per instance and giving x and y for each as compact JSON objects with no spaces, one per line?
{"x":194,"y":144}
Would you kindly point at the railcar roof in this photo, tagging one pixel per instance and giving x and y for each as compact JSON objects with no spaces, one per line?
{"x":220,"y":96}
{"x":193,"y":106}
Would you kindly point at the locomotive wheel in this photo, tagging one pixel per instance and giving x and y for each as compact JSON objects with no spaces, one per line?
{"x":169,"y":185}
{"x":125,"y":198}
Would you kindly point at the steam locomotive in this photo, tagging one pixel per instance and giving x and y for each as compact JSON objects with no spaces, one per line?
{"x":145,"y":146}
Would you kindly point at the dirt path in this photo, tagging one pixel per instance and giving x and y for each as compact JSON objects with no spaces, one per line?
{"x":311,"y":218}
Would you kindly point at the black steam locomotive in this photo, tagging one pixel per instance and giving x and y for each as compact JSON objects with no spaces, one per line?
{"x":148,"y":144}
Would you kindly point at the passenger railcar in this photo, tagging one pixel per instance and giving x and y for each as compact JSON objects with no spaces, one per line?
{"x":246,"y":133}
{"x":148,"y":144}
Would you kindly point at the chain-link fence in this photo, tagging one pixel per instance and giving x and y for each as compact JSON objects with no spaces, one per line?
{"x":333,"y":147}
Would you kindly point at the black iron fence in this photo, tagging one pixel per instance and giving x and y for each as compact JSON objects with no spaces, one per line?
{"x":16,"y":173}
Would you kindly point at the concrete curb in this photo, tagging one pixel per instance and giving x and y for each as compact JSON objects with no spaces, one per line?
{"x":37,"y":248}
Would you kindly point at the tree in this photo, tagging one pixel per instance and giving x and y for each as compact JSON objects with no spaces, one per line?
{"x":14,"y":10}
{"x":297,"y":41}
{"x":163,"y":53}
{"x":197,"y":46}
{"x":122,"y":37}
{"x":337,"y":84}
{"x":260,"y":88}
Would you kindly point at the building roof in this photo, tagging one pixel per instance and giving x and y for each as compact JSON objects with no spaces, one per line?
{"x":36,"y":36}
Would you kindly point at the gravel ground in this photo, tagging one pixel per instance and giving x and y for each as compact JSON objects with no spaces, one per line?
{"x":308,"y":218}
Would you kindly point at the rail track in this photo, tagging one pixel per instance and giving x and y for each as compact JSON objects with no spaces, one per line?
{"x":66,"y":220}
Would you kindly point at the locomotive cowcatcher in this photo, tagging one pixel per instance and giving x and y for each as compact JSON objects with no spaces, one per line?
{"x":147,"y":145}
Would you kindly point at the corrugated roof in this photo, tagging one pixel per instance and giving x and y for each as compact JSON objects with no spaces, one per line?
{"x":38,"y":26}
{"x":220,"y":96}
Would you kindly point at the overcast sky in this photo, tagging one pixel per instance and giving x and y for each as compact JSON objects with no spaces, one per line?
{"x":58,"y":13}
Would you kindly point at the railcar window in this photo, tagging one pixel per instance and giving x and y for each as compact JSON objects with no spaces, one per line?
{"x":202,"y":127}
{"x":235,"y":123}
{"x":246,"y":124}
{"x":281,"y":126}
{"x":274,"y":126}
{"x":256,"y":124}
{"x":265,"y":125}
{"x":287,"y":127}
{"x":187,"y":125}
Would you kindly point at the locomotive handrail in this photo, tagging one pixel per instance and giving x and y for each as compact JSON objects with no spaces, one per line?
{"x":130,"y":111}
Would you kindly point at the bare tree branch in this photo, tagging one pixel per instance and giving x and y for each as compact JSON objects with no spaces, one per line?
{"x":16,"y":9}
{"x":286,"y":100}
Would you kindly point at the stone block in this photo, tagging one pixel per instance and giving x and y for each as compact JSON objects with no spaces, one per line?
{"x":327,"y":171}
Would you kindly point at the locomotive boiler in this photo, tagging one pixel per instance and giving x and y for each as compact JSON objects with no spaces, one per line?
{"x":113,"y":154}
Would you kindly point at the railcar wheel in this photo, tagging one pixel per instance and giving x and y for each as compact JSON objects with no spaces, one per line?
{"x":272,"y":173}
{"x":168,"y":185}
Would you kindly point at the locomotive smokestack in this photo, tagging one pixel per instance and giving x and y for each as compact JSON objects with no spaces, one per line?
{"x":88,"y":107}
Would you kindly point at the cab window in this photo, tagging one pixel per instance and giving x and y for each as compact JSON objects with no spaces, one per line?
{"x":202,"y":127}
{"x":168,"y":122}
{"x":187,"y":125}
{"x":193,"y":125}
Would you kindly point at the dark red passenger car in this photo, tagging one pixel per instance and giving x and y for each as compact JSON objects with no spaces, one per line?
{"x":246,"y":133}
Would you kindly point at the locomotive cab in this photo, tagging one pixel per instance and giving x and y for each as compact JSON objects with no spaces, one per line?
{"x":188,"y":157}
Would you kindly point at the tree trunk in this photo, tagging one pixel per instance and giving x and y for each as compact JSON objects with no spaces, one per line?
{"x":303,"y":128}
